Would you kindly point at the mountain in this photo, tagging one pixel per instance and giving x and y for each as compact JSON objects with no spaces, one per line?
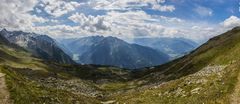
{"x":80,"y":45}
{"x":210,"y":74}
{"x":174,"y":47}
{"x":39,"y":45}
{"x":28,"y":80}
{"x":115,"y":52}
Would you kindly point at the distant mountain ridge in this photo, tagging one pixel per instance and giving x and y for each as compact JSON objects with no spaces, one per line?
{"x":115,"y":52}
{"x":174,"y":47}
{"x":41,"y":46}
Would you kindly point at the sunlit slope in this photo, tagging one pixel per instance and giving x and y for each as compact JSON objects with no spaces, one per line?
{"x":208,"y":75}
{"x":32,"y":80}
{"x":220,"y":50}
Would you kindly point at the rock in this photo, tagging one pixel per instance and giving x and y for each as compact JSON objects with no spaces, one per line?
{"x":109,"y":102}
{"x":179,"y":92}
{"x":195,"y":91}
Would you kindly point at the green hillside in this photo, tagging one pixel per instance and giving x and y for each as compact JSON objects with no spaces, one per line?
{"x":208,"y":75}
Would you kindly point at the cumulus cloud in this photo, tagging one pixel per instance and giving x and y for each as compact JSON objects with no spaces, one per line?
{"x":59,"y":7}
{"x":203,"y":11}
{"x":15,"y":14}
{"x":90,"y":23}
{"x":133,"y":24}
{"x":231,"y":22}
{"x":121,"y":18}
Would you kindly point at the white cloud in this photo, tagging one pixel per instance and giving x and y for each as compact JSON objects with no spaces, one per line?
{"x":131,"y":23}
{"x":231,"y":22}
{"x":34,"y":19}
{"x":58,"y":8}
{"x":170,"y":19}
{"x":163,"y":8}
{"x":90,"y":23}
{"x":131,"y":4}
{"x":134,"y":24}
{"x":203,"y":11}
{"x":15,"y":14}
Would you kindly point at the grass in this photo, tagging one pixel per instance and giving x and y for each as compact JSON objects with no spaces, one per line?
{"x":25,"y":91}
{"x":177,"y":89}
{"x":215,"y":91}
{"x":222,"y":50}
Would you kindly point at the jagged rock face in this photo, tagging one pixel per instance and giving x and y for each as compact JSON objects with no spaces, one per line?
{"x":40,"y":46}
{"x":115,"y":52}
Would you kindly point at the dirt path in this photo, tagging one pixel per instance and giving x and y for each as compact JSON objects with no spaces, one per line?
{"x":235,"y":99}
{"x":4,"y":94}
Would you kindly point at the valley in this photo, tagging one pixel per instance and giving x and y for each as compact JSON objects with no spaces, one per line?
{"x":209,"y":75}
{"x":113,"y":51}
{"x":119,"y":52}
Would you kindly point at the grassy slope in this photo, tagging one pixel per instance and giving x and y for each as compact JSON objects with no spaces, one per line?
{"x":222,"y":50}
{"x":24,"y":90}
{"x":212,"y":89}
{"x":183,"y":81}
{"x":23,"y":73}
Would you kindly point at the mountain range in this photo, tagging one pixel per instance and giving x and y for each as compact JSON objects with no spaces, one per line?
{"x":41,"y":46}
{"x":112,"y":51}
{"x":174,"y":47}
{"x":209,"y":74}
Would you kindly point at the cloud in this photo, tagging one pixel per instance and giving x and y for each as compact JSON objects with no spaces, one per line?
{"x":90,"y":23}
{"x":121,"y":18}
{"x":163,"y":8}
{"x":231,"y":22}
{"x":131,"y":5}
{"x":135,"y":24}
{"x":58,"y":8}
{"x":203,"y":11}
{"x":34,"y":18}
{"x":15,"y":14}
{"x":170,"y":19}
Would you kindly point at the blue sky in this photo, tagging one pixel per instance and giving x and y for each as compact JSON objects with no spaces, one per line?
{"x":221,"y":9}
{"x":197,"y":20}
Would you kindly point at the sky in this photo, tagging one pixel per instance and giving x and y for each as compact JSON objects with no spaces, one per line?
{"x":197,"y":20}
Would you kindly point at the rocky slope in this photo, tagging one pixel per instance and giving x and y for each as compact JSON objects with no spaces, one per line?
{"x":207,"y":75}
{"x":40,"y":46}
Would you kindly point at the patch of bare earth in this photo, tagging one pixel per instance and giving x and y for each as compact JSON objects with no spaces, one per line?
{"x":4,"y":94}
